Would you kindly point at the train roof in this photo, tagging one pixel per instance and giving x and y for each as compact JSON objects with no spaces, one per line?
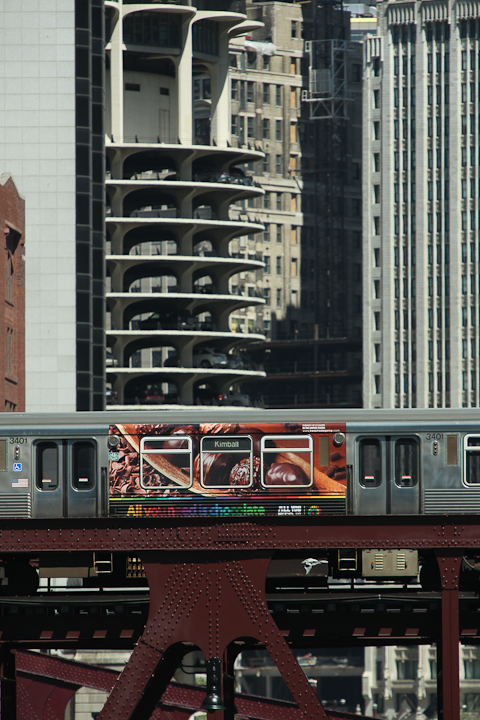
{"x":357,"y":419}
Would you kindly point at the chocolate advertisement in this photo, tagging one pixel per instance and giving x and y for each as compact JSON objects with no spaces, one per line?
{"x":156,"y":468}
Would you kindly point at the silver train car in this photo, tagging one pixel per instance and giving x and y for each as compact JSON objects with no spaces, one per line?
{"x":168,"y":462}
{"x":229,"y":464}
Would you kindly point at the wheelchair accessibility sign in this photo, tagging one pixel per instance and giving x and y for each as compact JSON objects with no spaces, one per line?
{"x":17,"y":467}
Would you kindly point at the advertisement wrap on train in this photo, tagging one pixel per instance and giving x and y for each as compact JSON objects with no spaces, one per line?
{"x":230,"y":465}
{"x":227,"y":469}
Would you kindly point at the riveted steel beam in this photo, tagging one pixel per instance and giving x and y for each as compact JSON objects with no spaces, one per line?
{"x":260,"y":533}
{"x":209,"y":605}
{"x":178,"y":702}
{"x":448,"y":680}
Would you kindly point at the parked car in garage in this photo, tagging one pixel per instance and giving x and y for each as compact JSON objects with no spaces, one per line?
{"x":210,"y":358}
{"x":236,"y":362}
{"x":169,"y":320}
{"x":164,"y":174}
{"x":235,"y":398}
{"x":205,"y":358}
{"x":144,"y":393}
{"x":110,"y":394}
{"x":238,"y":177}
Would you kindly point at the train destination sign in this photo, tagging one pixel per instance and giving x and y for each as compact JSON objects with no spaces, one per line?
{"x":226,"y":444}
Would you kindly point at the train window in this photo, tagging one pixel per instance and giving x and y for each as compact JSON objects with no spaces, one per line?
{"x":166,"y":462}
{"x":47,"y":470}
{"x":370,"y":463}
{"x":84,"y":465}
{"x":226,"y":461}
{"x":406,"y":462}
{"x":472,"y":459}
{"x":287,"y":461}
{"x":452,"y":455}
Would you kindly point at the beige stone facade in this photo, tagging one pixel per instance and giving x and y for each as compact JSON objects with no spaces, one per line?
{"x":421,"y":208}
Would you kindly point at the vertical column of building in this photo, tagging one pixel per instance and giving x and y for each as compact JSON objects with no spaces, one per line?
{"x":419,"y":198}
{"x":220,"y":92}
{"x":184,"y":74}
{"x":465,"y":189}
{"x":433,"y":98}
{"x":90,"y":283}
{"x":374,"y":347}
{"x":114,"y":105}
{"x":453,"y":160}
{"x":400,"y":252}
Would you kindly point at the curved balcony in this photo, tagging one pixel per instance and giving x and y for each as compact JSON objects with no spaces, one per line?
{"x":170,"y":221}
{"x":144,"y":154}
{"x":128,"y":305}
{"x":129,"y":341}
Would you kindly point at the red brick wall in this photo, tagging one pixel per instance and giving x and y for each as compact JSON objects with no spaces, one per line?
{"x":12,"y":297}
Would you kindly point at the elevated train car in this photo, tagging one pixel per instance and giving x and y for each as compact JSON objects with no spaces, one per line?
{"x":238,"y":463}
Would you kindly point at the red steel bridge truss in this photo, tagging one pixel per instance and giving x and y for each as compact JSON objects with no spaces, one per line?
{"x":207,"y":590}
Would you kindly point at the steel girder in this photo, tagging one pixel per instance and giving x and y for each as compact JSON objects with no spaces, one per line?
{"x":45,"y":684}
{"x":261,"y":533}
{"x":207,"y":588}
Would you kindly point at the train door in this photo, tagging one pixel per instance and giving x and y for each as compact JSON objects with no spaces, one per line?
{"x":388,"y":476}
{"x":66,"y":478}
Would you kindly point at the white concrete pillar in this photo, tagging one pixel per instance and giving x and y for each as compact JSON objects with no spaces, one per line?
{"x":116,"y":81}
{"x":184,"y":86}
{"x":220,"y":129}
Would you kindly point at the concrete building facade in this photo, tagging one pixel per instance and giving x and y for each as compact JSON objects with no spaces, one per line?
{"x":421,"y":207}
{"x":51,"y":140}
{"x":175,"y":188}
{"x":265,"y":103}
{"x":401,"y":682}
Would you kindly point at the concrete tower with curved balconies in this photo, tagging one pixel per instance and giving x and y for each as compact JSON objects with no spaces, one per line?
{"x":171,"y":180}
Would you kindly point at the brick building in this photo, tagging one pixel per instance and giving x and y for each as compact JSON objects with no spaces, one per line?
{"x":12,"y":297}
